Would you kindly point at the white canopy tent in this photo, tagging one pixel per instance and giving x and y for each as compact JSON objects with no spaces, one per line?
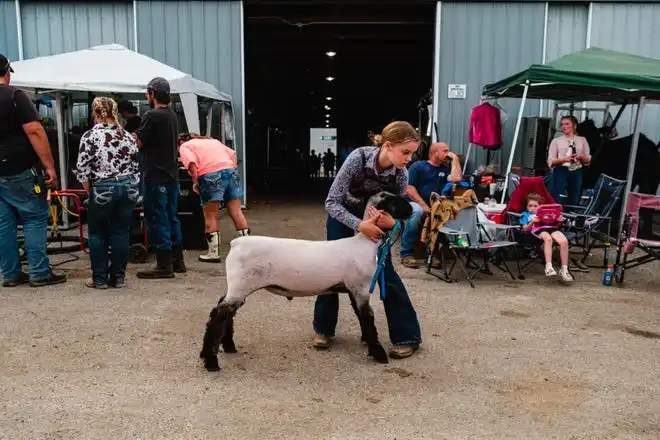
{"x":109,"y":68}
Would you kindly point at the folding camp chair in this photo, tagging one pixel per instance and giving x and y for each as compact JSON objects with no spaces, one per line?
{"x":592,"y":224}
{"x":629,"y":240}
{"x":463,"y":238}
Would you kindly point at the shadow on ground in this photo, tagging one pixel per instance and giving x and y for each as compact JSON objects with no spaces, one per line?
{"x":526,"y":359}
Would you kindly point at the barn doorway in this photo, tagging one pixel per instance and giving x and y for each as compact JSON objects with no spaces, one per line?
{"x":352,"y":66}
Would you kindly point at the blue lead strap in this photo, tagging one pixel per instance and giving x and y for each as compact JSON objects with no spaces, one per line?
{"x":383,"y":251}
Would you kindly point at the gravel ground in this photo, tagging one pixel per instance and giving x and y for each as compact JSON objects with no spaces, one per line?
{"x":508,"y":360}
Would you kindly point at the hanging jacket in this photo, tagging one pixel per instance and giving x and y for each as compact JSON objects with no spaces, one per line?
{"x":485,"y":126}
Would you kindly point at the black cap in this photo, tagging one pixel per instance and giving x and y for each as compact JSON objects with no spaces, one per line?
{"x":159,"y":84}
{"x":5,"y":64}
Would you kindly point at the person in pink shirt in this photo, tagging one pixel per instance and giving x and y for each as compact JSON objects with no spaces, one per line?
{"x":566,"y":156}
{"x":212,"y":166}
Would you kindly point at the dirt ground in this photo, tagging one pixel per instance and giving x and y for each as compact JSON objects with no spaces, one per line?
{"x":507,"y":360}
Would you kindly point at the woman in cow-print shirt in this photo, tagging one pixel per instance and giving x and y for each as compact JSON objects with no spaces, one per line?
{"x":108,"y":169}
{"x":107,"y":151}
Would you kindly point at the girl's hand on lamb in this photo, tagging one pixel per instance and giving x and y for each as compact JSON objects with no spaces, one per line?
{"x":373,"y":212}
{"x":386,"y":221}
{"x":370,"y":229}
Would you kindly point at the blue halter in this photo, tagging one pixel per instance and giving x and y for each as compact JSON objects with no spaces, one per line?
{"x":383,"y":252}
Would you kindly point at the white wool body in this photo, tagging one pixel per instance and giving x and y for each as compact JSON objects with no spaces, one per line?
{"x":297,"y":268}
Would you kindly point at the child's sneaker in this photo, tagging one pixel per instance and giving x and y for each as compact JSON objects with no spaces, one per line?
{"x":550,"y":271}
{"x":565,"y":275}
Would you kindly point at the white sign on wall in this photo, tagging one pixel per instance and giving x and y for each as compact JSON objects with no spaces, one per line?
{"x":320,"y":139}
{"x":457,"y":91}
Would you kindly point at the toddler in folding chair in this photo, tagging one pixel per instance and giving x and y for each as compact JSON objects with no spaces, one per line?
{"x":548,"y":233}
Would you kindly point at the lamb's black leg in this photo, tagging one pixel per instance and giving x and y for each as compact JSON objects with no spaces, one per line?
{"x":359,"y":317}
{"x":212,"y":336}
{"x":228,"y":345}
{"x":220,"y":320}
{"x":370,"y":333}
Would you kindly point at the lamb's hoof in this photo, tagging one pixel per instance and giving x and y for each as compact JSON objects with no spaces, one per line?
{"x":211,"y":364}
{"x":379,"y":355}
{"x":229,"y":348}
{"x":289,"y":298}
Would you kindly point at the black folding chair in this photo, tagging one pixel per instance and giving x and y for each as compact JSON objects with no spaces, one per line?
{"x":591,"y":225}
{"x":465,"y":238}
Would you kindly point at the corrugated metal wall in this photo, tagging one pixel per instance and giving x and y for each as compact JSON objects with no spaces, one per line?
{"x":630,"y":28}
{"x":203,"y":38}
{"x":51,"y":28}
{"x":566,"y":33}
{"x":8,"y":35}
{"x":481,"y":43}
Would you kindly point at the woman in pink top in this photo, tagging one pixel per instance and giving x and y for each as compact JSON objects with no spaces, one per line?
{"x":212,"y":166}
{"x":566,"y":157}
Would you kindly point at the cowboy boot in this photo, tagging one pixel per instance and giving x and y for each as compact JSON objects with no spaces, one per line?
{"x":163,"y":267}
{"x":178,"y":263}
{"x":213,"y":255}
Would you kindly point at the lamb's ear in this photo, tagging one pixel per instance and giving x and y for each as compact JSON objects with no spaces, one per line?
{"x":435,"y":197}
{"x":398,"y":207}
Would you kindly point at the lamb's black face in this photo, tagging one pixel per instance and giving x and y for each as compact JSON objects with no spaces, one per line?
{"x":396,"y":206}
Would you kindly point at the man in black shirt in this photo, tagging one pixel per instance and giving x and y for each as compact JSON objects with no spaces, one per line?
{"x":157,"y":140}
{"x":23,"y":143}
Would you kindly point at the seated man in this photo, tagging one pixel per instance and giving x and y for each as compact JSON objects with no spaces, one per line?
{"x":425,"y":177}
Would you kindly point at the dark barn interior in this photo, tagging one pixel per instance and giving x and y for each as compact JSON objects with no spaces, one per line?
{"x":382,"y":67}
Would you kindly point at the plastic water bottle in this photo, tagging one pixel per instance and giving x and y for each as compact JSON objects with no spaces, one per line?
{"x":459,"y":239}
{"x":608,"y":276}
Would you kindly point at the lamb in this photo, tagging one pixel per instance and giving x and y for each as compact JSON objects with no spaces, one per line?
{"x":297,"y":268}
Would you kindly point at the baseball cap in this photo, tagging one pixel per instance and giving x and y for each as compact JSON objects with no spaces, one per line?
{"x":5,"y":64}
{"x":159,"y":84}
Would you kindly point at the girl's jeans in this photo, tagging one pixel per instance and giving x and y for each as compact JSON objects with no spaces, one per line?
{"x":402,"y":320}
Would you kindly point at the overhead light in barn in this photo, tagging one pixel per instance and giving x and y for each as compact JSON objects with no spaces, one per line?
{"x":328,"y":98}
{"x":327,"y":107}
{"x":327,"y":125}
{"x":327,"y":115}
{"x":331,"y":54}
{"x":330,"y":78}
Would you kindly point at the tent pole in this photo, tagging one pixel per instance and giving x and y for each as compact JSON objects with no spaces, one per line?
{"x":467,"y":157}
{"x":61,"y":151}
{"x":209,"y":120}
{"x":632,"y":159}
{"x":515,"y":140}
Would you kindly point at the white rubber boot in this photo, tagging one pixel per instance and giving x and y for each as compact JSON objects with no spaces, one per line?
{"x":213,"y":255}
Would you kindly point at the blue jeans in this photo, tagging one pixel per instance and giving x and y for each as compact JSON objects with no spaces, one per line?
{"x":111,"y":204}
{"x":18,"y":200}
{"x":220,"y":186}
{"x":411,"y":231}
{"x":160,"y":209}
{"x":567,"y":181}
{"x":402,"y":320}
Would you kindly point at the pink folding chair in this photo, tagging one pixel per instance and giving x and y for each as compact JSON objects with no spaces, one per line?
{"x":630,"y":239}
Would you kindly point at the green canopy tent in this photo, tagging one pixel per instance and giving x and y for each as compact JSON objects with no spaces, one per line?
{"x":592,"y":74}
